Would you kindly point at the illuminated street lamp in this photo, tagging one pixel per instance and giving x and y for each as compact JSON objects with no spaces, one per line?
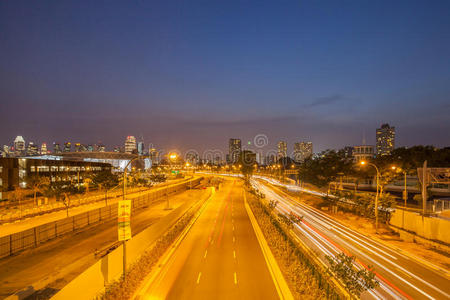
{"x":376,"y":195}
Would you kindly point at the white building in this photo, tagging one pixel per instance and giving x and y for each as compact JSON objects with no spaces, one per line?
{"x":19,"y":145}
{"x":364,"y":152}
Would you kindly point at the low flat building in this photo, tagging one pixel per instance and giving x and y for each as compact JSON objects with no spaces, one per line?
{"x":14,"y":171}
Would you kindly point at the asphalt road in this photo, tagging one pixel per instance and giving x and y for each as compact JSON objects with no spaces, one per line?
{"x":400,"y":276}
{"x":220,"y":257}
{"x":62,"y":259}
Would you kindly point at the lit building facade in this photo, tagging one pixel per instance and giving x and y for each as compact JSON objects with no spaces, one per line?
{"x":130,"y":144}
{"x":67,"y":147}
{"x":32,"y":149}
{"x":302,"y":151}
{"x":234,"y":150}
{"x":14,"y":171}
{"x":44,"y":149}
{"x":282,"y":149}
{"x":385,"y":136}
{"x":19,"y":145}
{"x":364,"y":152}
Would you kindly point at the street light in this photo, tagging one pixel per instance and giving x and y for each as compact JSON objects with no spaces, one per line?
{"x":405,"y":192}
{"x":376,"y":195}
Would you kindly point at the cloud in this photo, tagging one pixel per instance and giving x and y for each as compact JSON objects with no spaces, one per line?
{"x":328,"y":100}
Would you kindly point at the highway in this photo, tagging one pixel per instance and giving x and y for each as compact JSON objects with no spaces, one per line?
{"x":400,"y":276}
{"x":219,"y":258}
{"x":58,"y":261}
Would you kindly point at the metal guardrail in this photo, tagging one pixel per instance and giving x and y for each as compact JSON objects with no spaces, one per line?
{"x":33,"y":237}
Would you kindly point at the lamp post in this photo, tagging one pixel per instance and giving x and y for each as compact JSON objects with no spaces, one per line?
{"x":376,"y":195}
{"x":405,"y":192}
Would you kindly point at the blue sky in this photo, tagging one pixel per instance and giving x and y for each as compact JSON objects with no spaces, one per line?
{"x":191,"y":74}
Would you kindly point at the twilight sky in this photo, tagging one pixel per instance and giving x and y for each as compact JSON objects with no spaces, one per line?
{"x":191,"y":74}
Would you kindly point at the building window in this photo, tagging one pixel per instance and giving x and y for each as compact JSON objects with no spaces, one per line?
{"x":32,"y":169}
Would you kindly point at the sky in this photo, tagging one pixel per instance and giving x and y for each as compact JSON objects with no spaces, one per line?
{"x":192,"y":74}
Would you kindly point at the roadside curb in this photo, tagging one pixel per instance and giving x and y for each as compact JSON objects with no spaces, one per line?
{"x":278,"y":279}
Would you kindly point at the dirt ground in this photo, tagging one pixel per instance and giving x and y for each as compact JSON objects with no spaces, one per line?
{"x":439,"y":256}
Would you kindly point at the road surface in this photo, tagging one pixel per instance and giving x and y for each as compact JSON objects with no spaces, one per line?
{"x":220,"y":257}
{"x":62,"y":259}
{"x":399,"y":275}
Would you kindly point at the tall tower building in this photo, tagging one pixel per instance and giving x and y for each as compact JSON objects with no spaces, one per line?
{"x":385,"y":139}
{"x":67,"y":147}
{"x":43,"y":149}
{"x":302,"y":151}
{"x":19,"y":145}
{"x":234,"y":149}
{"x":130,"y":144}
{"x":56,"y":148}
{"x":32,"y":149}
{"x":140,"y":148}
{"x":282,"y":149}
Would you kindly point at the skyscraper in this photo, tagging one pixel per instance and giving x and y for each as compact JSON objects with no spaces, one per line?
{"x":385,"y":139}
{"x":32,"y":149}
{"x":56,"y":148}
{"x":234,"y":149}
{"x":130,"y":144}
{"x":43,"y":149}
{"x":67,"y":147}
{"x":302,"y":151}
{"x":140,"y":148}
{"x":282,"y":149}
{"x":19,"y":145}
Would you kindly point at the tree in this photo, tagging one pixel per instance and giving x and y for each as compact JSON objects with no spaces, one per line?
{"x":105,"y":180}
{"x":61,"y":191}
{"x":246,"y":163}
{"x":324,"y":168}
{"x":37,"y":184}
{"x":355,"y":281}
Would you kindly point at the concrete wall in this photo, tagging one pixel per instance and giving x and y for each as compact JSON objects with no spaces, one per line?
{"x":427,"y":227}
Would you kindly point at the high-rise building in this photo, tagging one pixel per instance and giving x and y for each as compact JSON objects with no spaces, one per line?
{"x":130,"y":144}
{"x":282,"y":149}
{"x":154,"y":155}
{"x":78,"y":147}
{"x":302,"y":151}
{"x":234,"y":148}
{"x":56,"y":148}
{"x":385,"y":139}
{"x":19,"y":145}
{"x":32,"y":149}
{"x":67,"y":147}
{"x":363,"y":152}
{"x":90,"y":148}
{"x":101,"y":148}
{"x":44,"y":149}
{"x":116,"y":149}
{"x":348,"y":151}
{"x":140,"y":148}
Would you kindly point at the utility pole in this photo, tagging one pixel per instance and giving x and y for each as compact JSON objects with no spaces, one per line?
{"x":424,"y":188}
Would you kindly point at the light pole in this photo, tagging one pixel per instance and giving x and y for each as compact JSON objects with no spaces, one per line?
{"x":376,"y":195}
{"x":405,"y":193}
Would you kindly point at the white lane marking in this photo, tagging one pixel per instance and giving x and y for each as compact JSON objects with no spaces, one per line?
{"x":235,"y":278}
{"x":234,"y":254}
{"x":206,"y":252}
{"x":198,"y":278}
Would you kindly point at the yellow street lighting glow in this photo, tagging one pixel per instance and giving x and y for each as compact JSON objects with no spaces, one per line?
{"x":362,"y":162}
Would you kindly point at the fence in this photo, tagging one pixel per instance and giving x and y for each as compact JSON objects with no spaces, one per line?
{"x":14,"y":243}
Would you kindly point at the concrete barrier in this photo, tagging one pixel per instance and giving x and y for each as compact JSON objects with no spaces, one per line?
{"x":431,"y":228}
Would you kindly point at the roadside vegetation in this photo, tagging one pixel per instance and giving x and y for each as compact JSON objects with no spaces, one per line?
{"x":126,"y":286}
{"x":306,"y":280}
